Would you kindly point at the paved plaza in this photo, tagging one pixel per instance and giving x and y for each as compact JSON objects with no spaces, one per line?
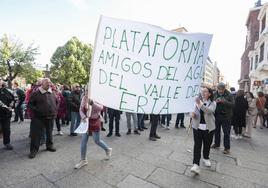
{"x":136,"y":162}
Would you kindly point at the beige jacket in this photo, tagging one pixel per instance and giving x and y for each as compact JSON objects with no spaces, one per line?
{"x":208,"y":110}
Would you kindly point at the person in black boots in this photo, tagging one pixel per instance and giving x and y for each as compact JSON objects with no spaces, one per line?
{"x":18,"y":105}
{"x":43,"y":104}
{"x":154,"y":121}
{"x":114,"y":115}
{"x":180,"y":119}
{"x":6,"y":100}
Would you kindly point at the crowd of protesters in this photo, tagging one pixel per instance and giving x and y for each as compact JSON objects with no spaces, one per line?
{"x":46,"y":105}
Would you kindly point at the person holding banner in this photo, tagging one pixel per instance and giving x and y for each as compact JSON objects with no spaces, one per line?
{"x":114,"y":115}
{"x":203,"y":123}
{"x":154,"y":121}
{"x":135,"y":123}
{"x":94,"y":122}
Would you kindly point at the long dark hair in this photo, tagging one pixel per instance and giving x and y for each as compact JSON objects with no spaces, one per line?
{"x":211,"y":97}
{"x":251,"y":94}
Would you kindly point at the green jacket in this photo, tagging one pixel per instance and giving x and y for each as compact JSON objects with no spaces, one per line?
{"x":224,"y":109}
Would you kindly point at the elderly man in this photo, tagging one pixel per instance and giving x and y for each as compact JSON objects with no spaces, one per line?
{"x":6,"y":100}
{"x":43,"y":104}
{"x":223,"y":115}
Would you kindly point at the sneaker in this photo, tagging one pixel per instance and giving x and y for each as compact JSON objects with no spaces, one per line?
{"x":137,"y":132}
{"x":195,"y":169}
{"x":140,"y":129}
{"x":152,"y":138}
{"x":207,"y":162}
{"x":240,"y":137}
{"x":109,"y":134}
{"x":8,"y":147}
{"x":167,"y":128}
{"x":73,"y":134}
{"x":182,"y":126}
{"x":226,"y":151}
{"x":32,"y":155}
{"x":214,"y":146}
{"x":109,"y":153}
{"x":144,"y":128}
{"x":103,"y":129}
{"x":81,"y":164}
{"x":51,"y":149}
{"x":236,"y":137}
{"x":129,"y":132}
{"x":118,"y":134}
{"x":60,"y":133}
{"x":163,"y":125}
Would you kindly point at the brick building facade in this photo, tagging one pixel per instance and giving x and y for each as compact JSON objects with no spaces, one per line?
{"x":252,"y":25}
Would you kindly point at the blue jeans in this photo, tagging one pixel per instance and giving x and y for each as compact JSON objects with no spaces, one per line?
{"x":97,"y":140}
{"x":140,"y":120}
{"x":75,"y":121}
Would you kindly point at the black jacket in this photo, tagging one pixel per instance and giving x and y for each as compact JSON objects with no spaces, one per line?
{"x":75,"y":101}
{"x":6,"y":97}
{"x":240,"y":109}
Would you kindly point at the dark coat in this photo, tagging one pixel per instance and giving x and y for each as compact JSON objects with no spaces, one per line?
{"x":43,"y":105}
{"x":75,"y":101}
{"x":6,"y":98}
{"x":240,"y":109}
{"x":224,"y":110}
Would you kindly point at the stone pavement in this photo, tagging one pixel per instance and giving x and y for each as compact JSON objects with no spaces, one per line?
{"x":136,"y":162}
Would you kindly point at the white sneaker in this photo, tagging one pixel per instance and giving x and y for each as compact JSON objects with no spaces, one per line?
{"x":60,"y":133}
{"x":236,"y":137}
{"x":167,"y":128}
{"x":163,"y":125}
{"x":240,"y":137}
{"x":195,"y":169}
{"x":207,"y":162}
{"x":81,"y":164}
{"x":109,"y":153}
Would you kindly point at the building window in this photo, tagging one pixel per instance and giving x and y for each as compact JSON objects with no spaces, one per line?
{"x":256,"y":62}
{"x":251,"y":63}
{"x":261,"y":52}
{"x":263,"y":23}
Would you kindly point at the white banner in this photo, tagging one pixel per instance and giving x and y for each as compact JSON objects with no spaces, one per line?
{"x":143,"y":68}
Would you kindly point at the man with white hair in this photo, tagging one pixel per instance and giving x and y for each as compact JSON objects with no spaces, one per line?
{"x":6,"y":99}
{"x":43,"y":104}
